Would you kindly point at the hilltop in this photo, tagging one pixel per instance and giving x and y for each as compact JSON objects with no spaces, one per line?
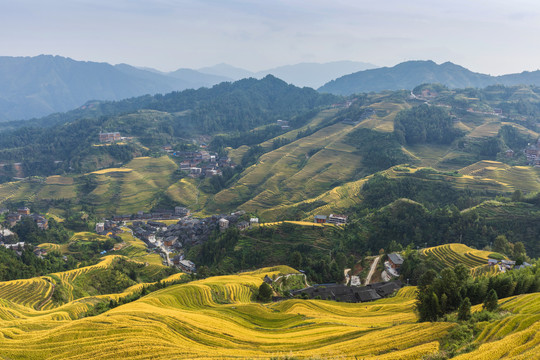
{"x":409,"y":74}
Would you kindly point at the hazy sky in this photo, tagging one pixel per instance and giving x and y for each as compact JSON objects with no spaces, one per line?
{"x":490,"y":36}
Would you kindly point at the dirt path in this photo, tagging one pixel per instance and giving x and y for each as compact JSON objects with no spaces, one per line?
{"x":372,"y":269}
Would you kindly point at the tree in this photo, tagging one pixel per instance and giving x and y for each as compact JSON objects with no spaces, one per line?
{"x":265,"y":292}
{"x":462,"y":273}
{"x":491,"y":302}
{"x":431,"y":308}
{"x":501,"y":244}
{"x":519,"y":250}
{"x":517,"y":196}
{"x":296,"y":259}
{"x":464,"y":311}
{"x":444,"y":303}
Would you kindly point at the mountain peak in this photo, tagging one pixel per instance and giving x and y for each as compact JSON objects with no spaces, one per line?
{"x":407,"y":75}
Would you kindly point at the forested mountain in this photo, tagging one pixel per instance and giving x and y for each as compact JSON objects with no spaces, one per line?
{"x":154,"y":121}
{"x":37,"y":86}
{"x":408,"y":75}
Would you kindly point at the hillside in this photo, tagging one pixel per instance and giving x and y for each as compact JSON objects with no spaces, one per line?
{"x":252,"y":329}
{"x":408,"y":75}
{"x":450,"y":255}
{"x":153,"y":121}
{"x":319,"y":164}
{"x":37,"y":86}
{"x":217,"y":318}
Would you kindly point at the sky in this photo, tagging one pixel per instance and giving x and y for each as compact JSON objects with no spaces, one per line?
{"x":489,"y":36}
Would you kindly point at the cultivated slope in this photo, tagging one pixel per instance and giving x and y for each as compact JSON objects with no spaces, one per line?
{"x":215,"y":318}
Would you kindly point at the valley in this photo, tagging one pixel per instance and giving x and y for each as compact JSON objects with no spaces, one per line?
{"x":205,"y":197}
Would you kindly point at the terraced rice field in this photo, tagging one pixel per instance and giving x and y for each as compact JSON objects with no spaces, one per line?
{"x":301,"y":223}
{"x":524,"y":178}
{"x":30,"y":293}
{"x":453,"y":254}
{"x":19,"y":191}
{"x":136,"y":250}
{"x":134,"y":188}
{"x":514,"y":337}
{"x":215,"y":318}
{"x":187,"y":193}
{"x":111,"y":170}
{"x":287,"y":175}
{"x":59,"y":180}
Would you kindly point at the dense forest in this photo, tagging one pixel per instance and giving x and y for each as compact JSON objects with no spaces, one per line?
{"x":425,"y":124}
{"x":454,"y":289}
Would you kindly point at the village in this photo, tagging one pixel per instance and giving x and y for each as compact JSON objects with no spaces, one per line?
{"x":195,"y":164}
{"x":532,"y":152}
{"x":7,"y":236}
{"x":169,"y":240}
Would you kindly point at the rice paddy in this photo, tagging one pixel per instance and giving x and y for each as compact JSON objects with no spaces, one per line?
{"x":288,"y":174}
{"x":452,"y":254}
{"x":524,"y":178}
{"x":216,"y":318}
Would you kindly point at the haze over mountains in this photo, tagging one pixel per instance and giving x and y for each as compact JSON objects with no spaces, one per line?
{"x":311,"y":75}
{"x":408,"y":75}
{"x":37,"y":86}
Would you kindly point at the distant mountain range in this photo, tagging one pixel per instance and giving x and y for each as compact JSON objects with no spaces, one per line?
{"x":38,"y":86}
{"x":408,"y":75}
{"x":311,"y":75}
{"x":32,"y":87}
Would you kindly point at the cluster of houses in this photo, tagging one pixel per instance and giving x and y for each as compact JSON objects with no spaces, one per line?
{"x":352,"y":294}
{"x":13,"y":218}
{"x":225,"y":222}
{"x":532,"y":152}
{"x":186,"y":232}
{"x":108,"y":137}
{"x":504,"y":265}
{"x":203,"y":163}
{"x":393,"y":264}
{"x":345,"y":104}
{"x":18,"y":247}
{"x":283,"y":123}
{"x":331,"y":219}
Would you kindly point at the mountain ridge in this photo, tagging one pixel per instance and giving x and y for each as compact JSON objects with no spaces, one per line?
{"x":32,"y":87}
{"x":409,"y":74}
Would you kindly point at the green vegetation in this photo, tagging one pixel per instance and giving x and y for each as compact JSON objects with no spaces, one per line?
{"x":453,"y":289}
{"x":265,"y":293}
{"x":379,"y":150}
{"x":154,"y":121}
{"x":425,"y":124}
{"x":321,"y":255}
